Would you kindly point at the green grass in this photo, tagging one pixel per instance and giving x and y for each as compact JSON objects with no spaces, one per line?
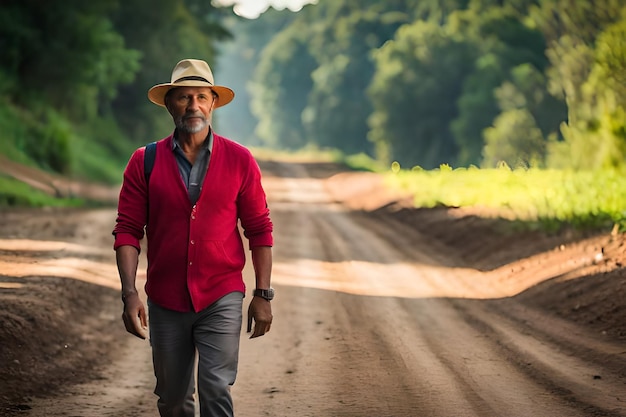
{"x":549,"y":198}
{"x":15,"y":193}
{"x":42,"y":137}
{"x":93,"y":162}
{"x":307,"y":154}
{"x":357,"y":162}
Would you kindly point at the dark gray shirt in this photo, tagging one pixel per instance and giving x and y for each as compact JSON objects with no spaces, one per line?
{"x":193,"y":175}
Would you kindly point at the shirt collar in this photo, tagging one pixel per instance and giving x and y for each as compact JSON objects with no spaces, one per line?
{"x":208,"y":142}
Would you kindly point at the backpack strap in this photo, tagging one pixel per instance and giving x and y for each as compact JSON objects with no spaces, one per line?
{"x":148,"y":160}
{"x":148,"y":164}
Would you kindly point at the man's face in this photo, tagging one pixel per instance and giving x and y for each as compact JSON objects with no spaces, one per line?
{"x":191,"y":108}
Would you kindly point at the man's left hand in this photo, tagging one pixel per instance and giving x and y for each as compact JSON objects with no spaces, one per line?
{"x":260,"y":310}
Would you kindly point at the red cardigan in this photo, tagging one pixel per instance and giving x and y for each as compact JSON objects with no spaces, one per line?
{"x":195,"y":253}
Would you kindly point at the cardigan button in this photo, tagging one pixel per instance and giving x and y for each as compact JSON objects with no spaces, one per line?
{"x":193,"y":242}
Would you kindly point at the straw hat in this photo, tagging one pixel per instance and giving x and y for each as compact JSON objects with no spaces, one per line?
{"x":191,"y":73}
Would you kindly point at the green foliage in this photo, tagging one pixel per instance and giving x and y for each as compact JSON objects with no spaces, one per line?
{"x":279,"y":88}
{"x":477,"y":109}
{"x":424,"y":81}
{"x":15,"y":132}
{"x":586,"y":50}
{"x":511,"y":54}
{"x":71,"y":99}
{"x":164,"y":31}
{"x":426,"y":61}
{"x":45,"y":138}
{"x":15,"y":193}
{"x":51,"y":142}
{"x":338,"y":107}
{"x":514,"y":139}
{"x":363,"y":162}
{"x":550,"y":198}
{"x":421,"y":82}
{"x":67,"y":53}
{"x":238,"y":58}
{"x":611,"y":56}
{"x":41,"y":136}
{"x":96,"y":149}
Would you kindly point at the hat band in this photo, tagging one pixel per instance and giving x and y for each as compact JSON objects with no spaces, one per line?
{"x":193,"y":78}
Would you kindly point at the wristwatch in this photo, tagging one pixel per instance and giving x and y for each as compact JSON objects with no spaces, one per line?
{"x":267,"y":294}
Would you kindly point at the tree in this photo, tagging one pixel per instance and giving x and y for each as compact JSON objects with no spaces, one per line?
{"x":238,"y":59}
{"x":338,"y":105}
{"x":529,"y":119}
{"x":64,"y":50}
{"x":61,"y":66}
{"x":280,"y":88}
{"x":581,"y":39}
{"x":164,"y":31}
{"x":504,"y":42}
{"x":419,"y":77}
{"x":514,"y":139}
{"x":74,"y":74}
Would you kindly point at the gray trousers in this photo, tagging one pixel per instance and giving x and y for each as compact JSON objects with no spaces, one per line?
{"x":213,"y":334}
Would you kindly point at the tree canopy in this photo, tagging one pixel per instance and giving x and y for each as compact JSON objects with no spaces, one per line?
{"x":421,"y":82}
{"x":428,"y":82}
{"x":74,"y":74}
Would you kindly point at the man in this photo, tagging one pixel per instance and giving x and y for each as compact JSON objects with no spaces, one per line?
{"x":200,"y":186}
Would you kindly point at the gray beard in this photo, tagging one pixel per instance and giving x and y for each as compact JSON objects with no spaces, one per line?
{"x":183,"y":126}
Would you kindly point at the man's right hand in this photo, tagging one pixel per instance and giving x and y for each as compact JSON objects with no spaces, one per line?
{"x":134,"y":316}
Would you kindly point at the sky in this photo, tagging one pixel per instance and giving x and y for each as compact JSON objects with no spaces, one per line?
{"x":251,"y":9}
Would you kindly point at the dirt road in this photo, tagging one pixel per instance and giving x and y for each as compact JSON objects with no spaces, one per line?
{"x":377,"y":314}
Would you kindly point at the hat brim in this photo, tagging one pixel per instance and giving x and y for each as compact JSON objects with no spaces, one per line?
{"x":157,"y":93}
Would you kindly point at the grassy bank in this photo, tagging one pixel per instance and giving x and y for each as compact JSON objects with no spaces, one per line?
{"x":549,"y":199}
{"x":14,"y":193}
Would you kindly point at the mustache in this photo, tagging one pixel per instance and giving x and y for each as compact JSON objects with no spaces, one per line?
{"x":193,"y":115}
